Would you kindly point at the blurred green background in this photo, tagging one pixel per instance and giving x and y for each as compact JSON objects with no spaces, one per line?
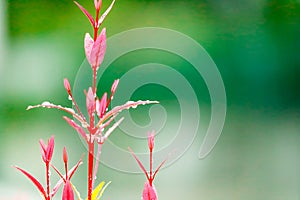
{"x":255,"y":45}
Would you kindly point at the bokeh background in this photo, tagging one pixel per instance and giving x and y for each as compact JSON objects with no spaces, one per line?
{"x":255,"y":45}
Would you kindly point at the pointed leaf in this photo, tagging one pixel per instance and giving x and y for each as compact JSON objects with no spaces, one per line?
{"x":90,"y":102}
{"x":105,"y":14}
{"x":161,"y":164}
{"x":78,"y":128}
{"x":47,"y":104}
{"x":102,"y":191}
{"x":98,"y":4}
{"x":88,"y":45}
{"x":97,"y":190}
{"x":67,"y":86}
{"x":50,"y":148}
{"x":89,"y":16}
{"x":149,"y":192}
{"x":34,"y":181}
{"x":68,"y":193}
{"x":111,"y":129}
{"x":101,"y":105}
{"x":62,"y":179}
{"x":114,"y":86}
{"x":98,"y":50}
{"x":43,"y":150}
{"x":140,"y":164}
{"x":72,"y":171}
{"x":117,"y":109}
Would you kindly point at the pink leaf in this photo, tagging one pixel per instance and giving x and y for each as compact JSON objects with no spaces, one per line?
{"x":149,"y":192}
{"x":140,"y":164}
{"x":50,"y":148}
{"x":88,"y":45}
{"x":34,"y":181}
{"x":43,"y":150}
{"x":76,"y":127}
{"x":89,"y":16}
{"x":90,"y":102}
{"x":101,"y":105}
{"x":47,"y":151}
{"x":47,"y":104}
{"x":114,"y":86}
{"x":68,"y":193}
{"x":117,"y":109}
{"x":98,"y":4}
{"x":158,"y":168}
{"x":62,"y":179}
{"x":98,"y":50}
{"x":67,"y":86}
{"x":72,"y":171}
{"x":105,"y":14}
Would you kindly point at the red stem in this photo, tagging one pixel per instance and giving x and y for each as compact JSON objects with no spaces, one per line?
{"x":90,"y":169}
{"x":96,"y":24}
{"x":48,"y":180}
{"x":151,"y":163}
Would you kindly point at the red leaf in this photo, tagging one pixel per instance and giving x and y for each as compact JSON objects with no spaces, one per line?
{"x":62,"y":179}
{"x":68,"y":192}
{"x":34,"y":181}
{"x":89,"y":16}
{"x":76,"y":127}
{"x":140,"y":164}
{"x":149,"y":192}
{"x":67,"y":86}
{"x":50,"y":148}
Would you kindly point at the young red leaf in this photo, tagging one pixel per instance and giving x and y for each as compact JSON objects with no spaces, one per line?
{"x":34,"y":181}
{"x":47,"y":151}
{"x":50,"y":148}
{"x":67,"y":86}
{"x":68,"y":193}
{"x":140,"y":163}
{"x":65,"y":155}
{"x":149,"y":192}
{"x":89,"y":16}
{"x":78,"y":128}
{"x":62,"y":177}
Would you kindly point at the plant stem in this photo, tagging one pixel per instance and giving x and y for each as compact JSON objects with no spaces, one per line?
{"x":90,"y":169}
{"x":48,"y":180}
{"x":151,"y":163}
